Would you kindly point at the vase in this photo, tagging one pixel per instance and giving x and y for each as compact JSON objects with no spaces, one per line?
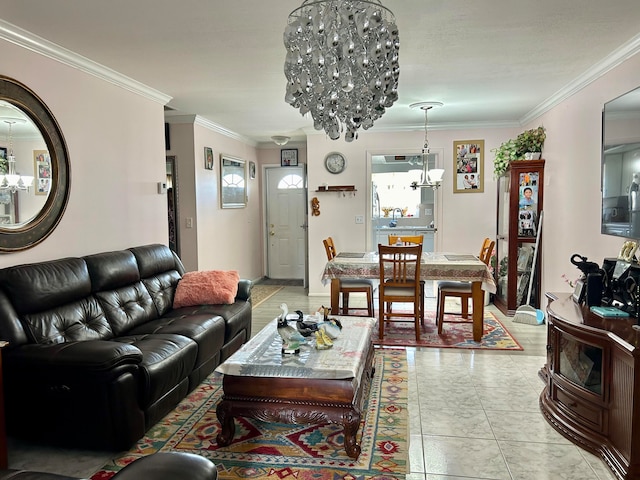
{"x":532,"y":155}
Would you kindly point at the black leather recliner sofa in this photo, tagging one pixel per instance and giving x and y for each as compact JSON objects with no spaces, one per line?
{"x":158,"y":466}
{"x":96,"y":353}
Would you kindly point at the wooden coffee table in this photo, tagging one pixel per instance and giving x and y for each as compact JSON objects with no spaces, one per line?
{"x":312,"y":387}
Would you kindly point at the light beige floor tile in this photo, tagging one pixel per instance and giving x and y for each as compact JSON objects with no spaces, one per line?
{"x":523,"y":427}
{"x":464,"y":457}
{"x":416,"y":454}
{"x":545,"y":461}
{"x":455,"y":423}
{"x":509,"y":397}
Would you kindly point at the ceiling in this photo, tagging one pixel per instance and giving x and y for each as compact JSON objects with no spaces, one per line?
{"x":491,"y":62}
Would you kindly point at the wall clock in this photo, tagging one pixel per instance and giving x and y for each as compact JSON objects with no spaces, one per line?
{"x":335,"y":162}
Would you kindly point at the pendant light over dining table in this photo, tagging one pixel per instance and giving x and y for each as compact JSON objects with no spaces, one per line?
{"x":342,"y":63}
{"x":429,"y":178}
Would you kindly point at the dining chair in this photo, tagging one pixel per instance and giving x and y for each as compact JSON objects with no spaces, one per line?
{"x":399,"y":283}
{"x":461,"y":290}
{"x":348,"y":286}
{"x":411,"y":240}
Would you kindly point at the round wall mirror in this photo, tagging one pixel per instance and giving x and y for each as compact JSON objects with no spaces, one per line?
{"x":34,"y":168}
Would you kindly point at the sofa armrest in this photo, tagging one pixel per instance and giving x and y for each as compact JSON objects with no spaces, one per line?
{"x":91,"y":356}
{"x":244,"y":289}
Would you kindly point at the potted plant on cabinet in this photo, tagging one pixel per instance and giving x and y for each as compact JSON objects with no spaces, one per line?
{"x":530,"y":143}
{"x":505,"y":154}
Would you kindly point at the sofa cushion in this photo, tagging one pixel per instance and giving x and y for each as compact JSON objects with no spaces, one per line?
{"x":76,"y":321}
{"x":167,"y":360}
{"x":206,"y":330}
{"x":162,"y":288}
{"x":212,"y":287}
{"x":37,"y":287}
{"x":127,"y":307}
{"x":111,"y":270}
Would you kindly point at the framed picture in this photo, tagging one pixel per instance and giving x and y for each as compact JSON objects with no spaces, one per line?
{"x":289,"y":157}
{"x":42,"y":170}
{"x":208,"y":158}
{"x":252,"y":170}
{"x":468,"y":165}
{"x":3,"y":153}
{"x":233,"y":185}
{"x":579,"y":291}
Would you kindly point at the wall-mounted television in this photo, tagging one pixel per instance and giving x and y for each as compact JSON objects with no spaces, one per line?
{"x":621,"y":166}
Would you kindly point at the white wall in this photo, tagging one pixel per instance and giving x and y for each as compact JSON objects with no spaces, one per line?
{"x":115,"y":140}
{"x":572,"y":176}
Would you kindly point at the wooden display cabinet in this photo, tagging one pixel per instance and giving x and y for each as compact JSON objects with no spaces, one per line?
{"x":592,"y":378}
{"x":520,"y":201}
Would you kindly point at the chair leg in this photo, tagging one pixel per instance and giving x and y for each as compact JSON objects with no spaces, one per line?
{"x":370,"y":302}
{"x":422,"y":303}
{"x":345,"y":303}
{"x":381,"y":319}
{"x":464,"y":303}
{"x":440,"y":312}
{"x":417,"y":319}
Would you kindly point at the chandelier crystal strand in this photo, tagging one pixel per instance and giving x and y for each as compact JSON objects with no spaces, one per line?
{"x":342,"y":63}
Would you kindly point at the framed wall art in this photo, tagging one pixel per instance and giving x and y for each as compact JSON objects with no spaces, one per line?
{"x":208,"y":158}
{"x":42,"y":170}
{"x":252,"y":170}
{"x":468,"y":165}
{"x":289,"y":157}
{"x":233,"y":185}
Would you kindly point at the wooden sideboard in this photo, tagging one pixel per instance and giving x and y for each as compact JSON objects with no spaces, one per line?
{"x":592,"y":376}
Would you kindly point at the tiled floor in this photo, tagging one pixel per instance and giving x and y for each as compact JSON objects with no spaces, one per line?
{"x":474,"y":414}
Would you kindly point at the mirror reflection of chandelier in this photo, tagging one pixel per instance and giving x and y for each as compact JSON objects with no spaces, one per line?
{"x":428,"y":178}
{"x":342,"y":63}
{"x":10,"y":180}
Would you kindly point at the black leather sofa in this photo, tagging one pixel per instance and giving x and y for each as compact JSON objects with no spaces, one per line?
{"x":158,"y":466}
{"x":96,"y":354}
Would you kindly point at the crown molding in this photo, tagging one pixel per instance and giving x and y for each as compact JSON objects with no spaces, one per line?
{"x":608,"y":63}
{"x":203,"y":122}
{"x":28,"y":40}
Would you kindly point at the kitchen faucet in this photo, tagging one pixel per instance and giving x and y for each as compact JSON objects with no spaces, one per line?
{"x":393,"y":222}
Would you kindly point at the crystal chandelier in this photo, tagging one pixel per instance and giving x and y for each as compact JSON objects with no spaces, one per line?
{"x":342,"y":63}
{"x":10,"y":180}
{"x":428,"y":178}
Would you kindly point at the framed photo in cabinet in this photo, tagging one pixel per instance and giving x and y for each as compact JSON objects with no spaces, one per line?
{"x":468,"y":165}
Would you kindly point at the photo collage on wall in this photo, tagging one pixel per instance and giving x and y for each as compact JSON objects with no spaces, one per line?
{"x":528,"y":204}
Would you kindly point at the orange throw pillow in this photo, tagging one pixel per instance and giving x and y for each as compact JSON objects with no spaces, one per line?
{"x":213,"y":287}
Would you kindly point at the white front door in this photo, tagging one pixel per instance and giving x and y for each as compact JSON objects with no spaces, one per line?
{"x":286,"y":223}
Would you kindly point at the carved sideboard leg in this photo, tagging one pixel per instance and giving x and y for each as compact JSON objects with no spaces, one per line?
{"x":227,"y":425}
{"x":351,"y":425}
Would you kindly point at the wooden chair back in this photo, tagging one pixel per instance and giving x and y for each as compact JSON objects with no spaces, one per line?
{"x":330,"y":248}
{"x":400,"y":266}
{"x":406,"y":239}
{"x":486,"y":250}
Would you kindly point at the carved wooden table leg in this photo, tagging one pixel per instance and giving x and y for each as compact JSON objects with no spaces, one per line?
{"x":351,"y":425}
{"x":227,"y":425}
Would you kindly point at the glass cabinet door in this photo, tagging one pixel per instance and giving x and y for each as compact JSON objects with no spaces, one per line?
{"x":580,"y":363}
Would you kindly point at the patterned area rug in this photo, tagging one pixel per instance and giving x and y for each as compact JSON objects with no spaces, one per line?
{"x":260,"y":293}
{"x":299,"y":452}
{"x":454,"y":335}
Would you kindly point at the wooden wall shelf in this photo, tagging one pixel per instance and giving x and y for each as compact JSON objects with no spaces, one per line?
{"x":337,"y":188}
{"x":344,"y":189}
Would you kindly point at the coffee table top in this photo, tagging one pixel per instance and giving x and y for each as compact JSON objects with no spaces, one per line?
{"x":262,"y":355}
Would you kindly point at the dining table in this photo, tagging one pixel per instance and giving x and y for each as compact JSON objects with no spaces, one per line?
{"x":461,"y":267}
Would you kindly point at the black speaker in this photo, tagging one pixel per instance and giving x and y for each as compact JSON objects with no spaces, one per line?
{"x":594,"y":290}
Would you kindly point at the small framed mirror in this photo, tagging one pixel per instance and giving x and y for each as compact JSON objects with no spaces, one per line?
{"x":233,"y":182}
